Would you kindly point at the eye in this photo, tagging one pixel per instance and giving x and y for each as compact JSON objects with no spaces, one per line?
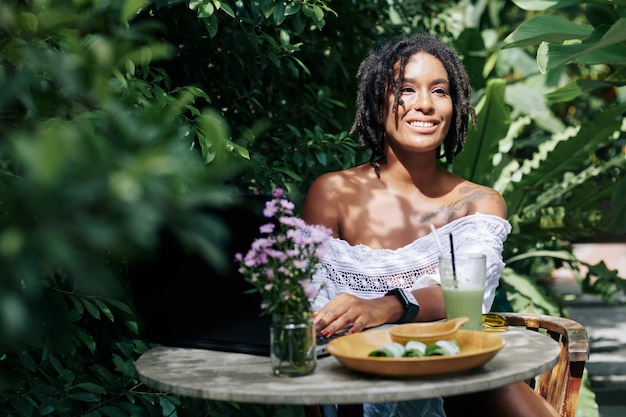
{"x":440,"y":91}
{"x":406,"y":89}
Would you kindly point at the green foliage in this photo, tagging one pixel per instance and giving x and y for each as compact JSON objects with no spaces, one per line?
{"x":476,"y":161}
{"x":554,"y":199}
{"x":283,"y":69}
{"x":118,"y":119}
{"x":79,"y":362}
{"x":561,"y":184}
{"x":551,"y":199}
{"x":96,"y":163}
{"x":562,"y":42}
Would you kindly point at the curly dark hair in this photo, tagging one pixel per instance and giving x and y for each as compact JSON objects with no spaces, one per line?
{"x":375,"y":74}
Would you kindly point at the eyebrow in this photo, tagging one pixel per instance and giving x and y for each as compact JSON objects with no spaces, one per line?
{"x":436,"y":81}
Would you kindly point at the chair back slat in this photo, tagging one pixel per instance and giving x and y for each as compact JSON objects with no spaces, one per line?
{"x":561,"y":384}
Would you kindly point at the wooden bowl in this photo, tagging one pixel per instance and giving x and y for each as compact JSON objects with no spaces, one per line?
{"x":428,"y":332}
{"x":352,"y":351}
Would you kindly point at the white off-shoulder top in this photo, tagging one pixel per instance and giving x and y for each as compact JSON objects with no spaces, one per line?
{"x":369,"y":273}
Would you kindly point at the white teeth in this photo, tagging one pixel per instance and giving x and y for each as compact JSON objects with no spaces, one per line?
{"x":422,"y":124}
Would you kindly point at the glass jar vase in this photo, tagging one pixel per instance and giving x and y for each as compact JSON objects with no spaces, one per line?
{"x":292,"y":345}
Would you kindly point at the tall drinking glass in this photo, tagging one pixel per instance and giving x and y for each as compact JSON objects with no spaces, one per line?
{"x":463,"y":287}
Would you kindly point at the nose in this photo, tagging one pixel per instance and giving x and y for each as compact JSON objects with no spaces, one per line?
{"x":422,"y":101}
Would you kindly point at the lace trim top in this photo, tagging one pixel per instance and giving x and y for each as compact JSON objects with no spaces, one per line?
{"x":368,"y":273}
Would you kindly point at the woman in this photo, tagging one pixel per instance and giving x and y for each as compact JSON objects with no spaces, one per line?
{"x":413,"y":108}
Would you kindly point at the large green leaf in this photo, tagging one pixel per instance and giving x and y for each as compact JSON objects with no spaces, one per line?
{"x":549,"y":190}
{"x":571,"y":181}
{"x":527,"y":100}
{"x":548,"y":28}
{"x":506,"y":170}
{"x":550,"y":56}
{"x":471,"y":46}
{"x":574,"y":89}
{"x":538,"y":5}
{"x":577,"y":148}
{"x":563,"y":255}
{"x":525,"y":296}
{"x":609,"y":287}
{"x":476,"y":161}
{"x":606,"y":45}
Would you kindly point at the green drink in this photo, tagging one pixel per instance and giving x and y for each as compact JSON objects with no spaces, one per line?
{"x":463,"y":287}
{"x":465,"y":301}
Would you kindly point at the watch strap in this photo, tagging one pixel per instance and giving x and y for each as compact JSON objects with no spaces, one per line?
{"x":409,"y":303}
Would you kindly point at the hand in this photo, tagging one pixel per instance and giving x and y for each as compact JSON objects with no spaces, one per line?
{"x":346,"y":309}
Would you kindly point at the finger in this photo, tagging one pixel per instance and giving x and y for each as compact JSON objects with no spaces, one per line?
{"x":339,"y":325}
{"x":357,"y":326}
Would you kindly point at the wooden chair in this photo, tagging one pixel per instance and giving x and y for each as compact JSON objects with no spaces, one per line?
{"x":560,"y":385}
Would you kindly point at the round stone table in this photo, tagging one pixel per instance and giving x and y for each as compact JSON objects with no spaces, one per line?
{"x":238,"y":377}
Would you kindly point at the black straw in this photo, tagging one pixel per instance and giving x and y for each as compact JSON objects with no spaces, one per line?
{"x":453,"y":263}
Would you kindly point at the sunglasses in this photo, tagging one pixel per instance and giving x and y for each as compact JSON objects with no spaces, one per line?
{"x":494,"y":323}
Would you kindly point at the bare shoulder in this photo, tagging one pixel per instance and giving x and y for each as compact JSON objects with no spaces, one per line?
{"x":320,"y":192}
{"x":328,"y":195}
{"x":482,"y":199}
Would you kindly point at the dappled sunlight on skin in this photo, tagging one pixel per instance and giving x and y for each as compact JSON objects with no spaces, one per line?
{"x":407,"y":216}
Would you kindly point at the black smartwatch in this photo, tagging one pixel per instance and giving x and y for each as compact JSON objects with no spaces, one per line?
{"x":410,"y":304}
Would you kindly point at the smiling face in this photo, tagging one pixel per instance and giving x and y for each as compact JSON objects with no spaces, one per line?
{"x":423,"y":117}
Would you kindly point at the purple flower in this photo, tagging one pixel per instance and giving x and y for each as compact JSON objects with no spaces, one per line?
{"x":310,"y":290}
{"x":280,"y":265}
{"x":300,"y":263}
{"x":267,"y":228}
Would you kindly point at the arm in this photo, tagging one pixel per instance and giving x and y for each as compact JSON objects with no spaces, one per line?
{"x":320,"y":205}
{"x":346,"y":309}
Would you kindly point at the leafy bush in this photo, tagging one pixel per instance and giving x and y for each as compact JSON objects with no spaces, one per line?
{"x":96,"y":163}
